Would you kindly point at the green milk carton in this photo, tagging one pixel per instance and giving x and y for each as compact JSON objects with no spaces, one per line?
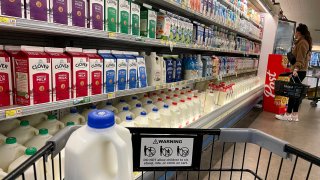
{"x":111,"y":13}
{"x":148,"y":19}
{"x":123,"y":16}
{"x":135,"y":19}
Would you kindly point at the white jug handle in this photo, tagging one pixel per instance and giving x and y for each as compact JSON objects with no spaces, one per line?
{"x":82,"y":120}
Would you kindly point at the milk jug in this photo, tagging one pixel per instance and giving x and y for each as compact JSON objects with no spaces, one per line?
{"x":209,"y":102}
{"x":159,"y":104}
{"x":154,"y":69}
{"x":154,"y":97}
{"x":29,"y":173}
{"x":128,"y":122}
{"x":192,"y":115}
{"x":162,"y":95}
{"x":134,"y":101}
{"x":149,"y":106}
{"x":122,"y":104}
{"x":137,"y":110}
{"x":35,"y":119}
{"x":183,"y":96}
{"x":145,"y":99}
{"x":154,"y":118}
{"x":176,"y":98}
{"x":40,"y":140}
{"x":23,"y":133}
{"x":74,"y":116}
{"x":87,"y":111}
{"x":8,"y":125}
{"x":176,"y":115}
{"x":165,"y":116}
{"x":2,"y":139}
{"x":200,"y":66}
{"x":168,"y":100}
{"x":197,"y":107}
{"x":10,"y":151}
{"x":184,"y":112}
{"x":111,"y":108}
{"x":124,"y":113}
{"x":163,"y":70}
{"x":52,"y":124}
{"x":2,"y":174}
{"x":92,"y":150}
{"x":141,"y":120}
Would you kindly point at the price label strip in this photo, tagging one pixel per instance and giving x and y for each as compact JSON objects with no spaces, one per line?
{"x":111,"y":95}
{"x":13,"y":113}
{"x":8,"y":21}
{"x":81,"y":100}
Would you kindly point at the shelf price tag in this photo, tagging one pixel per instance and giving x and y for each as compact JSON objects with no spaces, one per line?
{"x":112,"y":35}
{"x":111,"y":95}
{"x":81,"y":100}
{"x":13,"y":113}
{"x":9,"y":21}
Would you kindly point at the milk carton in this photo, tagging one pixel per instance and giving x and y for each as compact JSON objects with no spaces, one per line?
{"x":148,"y":21}
{"x":6,"y":81}
{"x":60,"y":11}
{"x":80,"y":72}
{"x":135,"y":19}
{"x":12,"y":8}
{"x":61,"y":74}
{"x":111,"y":15}
{"x":33,"y":76}
{"x":109,"y":70}
{"x":142,"y":74}
{"x":122,"y":68}
{"x":96,"y":71}
{"x":78,"y":11}
{"x":123,"y":16}
{"x":163,"y":25}
{"x":96,"y":14}
{"x":132,"y":71}
{"x":37,"y":10}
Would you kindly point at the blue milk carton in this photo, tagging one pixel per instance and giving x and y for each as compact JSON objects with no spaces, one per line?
{"x":177,"y":66}
{"x":142,"y":72}
{"x":122,"y":68}
{"x":109,"y":71}
{"x":169,"y":68}
{"x":132,"y":70}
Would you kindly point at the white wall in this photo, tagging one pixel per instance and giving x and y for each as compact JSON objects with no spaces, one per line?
{"x":269,"y":34}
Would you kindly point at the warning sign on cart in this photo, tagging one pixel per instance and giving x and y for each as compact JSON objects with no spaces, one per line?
{"x":166,"y":152}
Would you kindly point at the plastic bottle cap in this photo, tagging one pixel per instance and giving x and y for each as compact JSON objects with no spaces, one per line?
{"x":138,"y":105}
{"x":189,"y":99}
{"x":143,"y":113}
{"x":122,"y":100}
{"x":168,"y":97}
{"x":177,"y":89}
{"x":176,"y":95}
{"x":169,"y":90}
{"x":182,"y":93}
{"x":134,"y":98}
{"x":129,"y":118}
{"x":11,"y":140}
{"x":31,"y":151}
{"x":43,"y":131}
{"x":126,"y":108}
{"x":166,"y":106}
{"x":155,"y":109}
{"x":159,"y":99}
{"x":174,"y":103}
{"x":195,"y":96}
{"x":189,"y":91}
{"x":162,"y":92}
{"x":73,"y":110}
{"x":100,"y":119}
{"x":24,"y":123}
{"x":149,"y":102}
{"x":52,"y":117}
{"x":93,"y":106}
{"x":70,"y":123}
{"x":109,"y":103}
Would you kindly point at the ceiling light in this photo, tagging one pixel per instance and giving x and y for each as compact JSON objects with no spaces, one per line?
{"x":264,"y":7}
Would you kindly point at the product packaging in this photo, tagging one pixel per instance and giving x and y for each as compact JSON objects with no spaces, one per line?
{"x":6,"y":81}
{"x":78,"y":13}
{"x":109,"y":71}
{"x":111,"y":15}
{"x":148,"y":20}
{"x":163,"y":25}
{"x":96,"y":14}
{"x":135,"y":19}
{"x":123,"y":16}
{"x":60,"y":11}
{"x":37,"y":10}
{"x":96,"y":71}
{"x":12,"y":8}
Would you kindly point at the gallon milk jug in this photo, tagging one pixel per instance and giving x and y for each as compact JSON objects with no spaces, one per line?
{"x":197,"y":107}
{"x":184,"y":112}
{"x":134,"y":101}
{"x":200,"y":66}
{"x":8,"y":125}
{"x":35,"y":119}
{"x":163,"y":70}
{"x":2,"y":174}
{"x":209,"y":102}
{"x":154,"y":118}
{"x":176,"y":115}
{"x":74,"y":116}
{"x":168,"y":100}
{"x":141,"y":120}
{"x":124,"y":113}
{"x":87,"y":111}
{"x":52,"y":124}
{"x":137,"y":110}
{"x":145,"y":99}
{"x":154,"y":97}
{"x":191,"y":111}
{"x":159,"y":104}
{"x":176,"y":98}
{"x":40,"y":140}
{"x":23,"y":133}
{"x":111,"y":108}
{"x":149,"y":106}
{"x":183,"y":96}
{"x":154,"y":69}
{"x":2,"y":139}
{"x":165,"y":116}
{"x":99,"y":150}
{"x":128,"y":122}
{"x":122,"y":104}
{"x":162,"y":95}
{"x":29,"y":173}
{"x":10,"y":151}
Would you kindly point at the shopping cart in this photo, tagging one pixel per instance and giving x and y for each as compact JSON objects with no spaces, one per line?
{"x":200,"y":154}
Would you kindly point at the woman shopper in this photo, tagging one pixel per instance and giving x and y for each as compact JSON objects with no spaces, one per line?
{"x":302,"y":52}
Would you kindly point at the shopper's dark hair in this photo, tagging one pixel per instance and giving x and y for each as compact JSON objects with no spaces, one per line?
{"x":303,"y":29}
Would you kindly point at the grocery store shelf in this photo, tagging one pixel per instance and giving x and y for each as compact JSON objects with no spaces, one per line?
{"x":179,"y":9}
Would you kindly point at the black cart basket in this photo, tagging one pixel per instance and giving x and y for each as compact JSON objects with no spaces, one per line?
{"x":291,"y":89}
{"x":167,"y":153}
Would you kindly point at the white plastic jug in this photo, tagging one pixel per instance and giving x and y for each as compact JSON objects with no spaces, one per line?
{"x":29,"y":173}
{"x":154,"y":118}
{"x":162,"y":95}
{"x":183,"y":96}
{"x":121,"y":105}
{"x":149,"y":106}
{"x":154,"y":97}
{"x":52,"y":124}
{"x":145,"y":99}
{"x":10,"y":151}
{"x":197,"y":107}
{"x":2,"y":174}
{"x":124,"y":113}
{"x":191,"y":111}
{"x":99,"y":150}
{"x":209,"y":102}
{"x":40,"y":140}
{"x":168,"y":100}
{"x":134,"y":101}
{"x":176,"y":98}
{"x":35,"y":119}
{"x":163,"y":69}
{"x":8,"y":125}
{"x":154,"y":69}
{"x":2,"y":139}
{"x":111,"y":108}
{"x":159,"y":103}
{"x":165,"y":116}
{"x":137,"y":110}
{"x":185,"y":116}
{"x":141,"y":120}
{"x":87,"y":111}
{"x":74,"y":116}
{"x":176,"y":115}
{"x":128,"y":122}
{"x":24,"y":132}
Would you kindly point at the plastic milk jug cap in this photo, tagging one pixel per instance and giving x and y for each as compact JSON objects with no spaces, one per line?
{"x":43,"y":131}
{"x":73,"y":110}
{"x":149,"y":102}
{"x":70,"y":123}
{"x":138,"y":105}
{"x":129,"y":118}
{"x":52,"y":117}
{"x":11,"y":140}
{"x":24,"y":123}
{"x":143,"y":113}
{"x":31,"y":151}
{"x":155,"y":109}
{"x":126,"y":108}
{"x":100,"y":119}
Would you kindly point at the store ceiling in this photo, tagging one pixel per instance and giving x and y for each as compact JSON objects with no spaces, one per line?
{"x":304,"y":11}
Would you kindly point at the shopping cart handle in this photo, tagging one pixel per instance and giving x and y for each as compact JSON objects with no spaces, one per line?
{"x":248,"y":135}
{"x":60,"y":139}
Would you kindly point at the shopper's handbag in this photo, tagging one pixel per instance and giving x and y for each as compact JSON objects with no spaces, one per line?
{"x":292,"y":59}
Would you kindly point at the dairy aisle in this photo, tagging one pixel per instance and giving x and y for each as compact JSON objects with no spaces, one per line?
{"x":155,"y":64}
